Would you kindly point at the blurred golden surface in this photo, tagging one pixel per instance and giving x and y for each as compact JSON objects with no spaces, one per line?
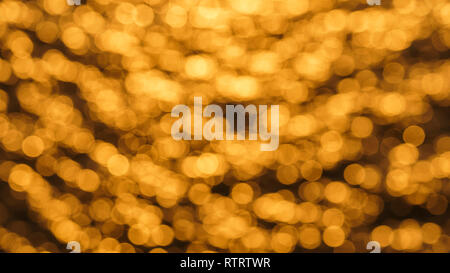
{"x":86,"y":152}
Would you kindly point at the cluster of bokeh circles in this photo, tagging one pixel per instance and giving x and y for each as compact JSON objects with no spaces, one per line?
{"x":87,"y":155}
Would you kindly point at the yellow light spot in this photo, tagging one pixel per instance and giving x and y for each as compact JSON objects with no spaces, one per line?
{"x":176,"y":16}
{"x":393,"y":104}
{"x":264,"y":63}
{"x":144,"y":16}
{"x":33,"y":146}
{"x":431,"y":233}
{"x":333,"y":236}
{"x":311,"y":170}
{"x":199,"y":193}
{"x":331,"y":141}
{"x":74,"y":37}
{"x":125,"y":13}
{"x":361,"y":127}
{"x":383,"y":234}
{"x":404,"y":154}
{"x":47,"y":31}
{"x":242,"y":193}
{"x":333,"y":217}
{"x":88,"y":180}
{"x":336,"y":192}
{"x":296,"y":8}
{"x":200,"y":67}
{"x":246,"y":6}
{"x":118,"y":165}
{"x":414,"y":135}
{"x":302,"y":125}
{"x":162,"y":235}
{"x":397,"y":180}
{"x":208,"y":163}
{"x":311,"y":191}
{"x":309,"y":237}
{"x":354,"y":174}
{"x":287,"y":174}
{"x":21,"y":177}
{"x":138,"y":234}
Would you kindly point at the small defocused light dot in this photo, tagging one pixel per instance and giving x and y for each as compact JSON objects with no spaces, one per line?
{"x":336,"y":192}
{"x":383,"y":234}
{"x":88,"y":180}
{"x":242,"y":193}
{"x":361,"y":127}
{"x":118,"y":165}
{"x":33,"y":146}
{"x":333,"y":236}
{"x":414,"y":135}
{"x":309,"y":237}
